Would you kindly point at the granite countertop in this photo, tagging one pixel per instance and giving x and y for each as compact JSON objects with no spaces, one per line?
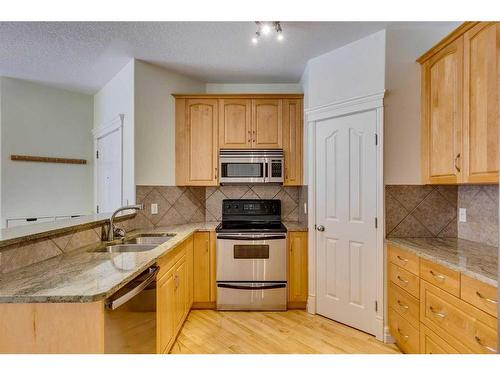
{"x":473,"y":259}
{"x":294,"y":226}
{"x":83,"y":276}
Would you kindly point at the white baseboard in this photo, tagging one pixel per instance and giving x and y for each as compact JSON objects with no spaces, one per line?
{"x":388,"y":339}
{"x":311,"y":304}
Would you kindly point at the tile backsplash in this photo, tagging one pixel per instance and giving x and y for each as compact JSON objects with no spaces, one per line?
{"x":481,"y":203}
{"x":432,"y":211}
{"x":420,"y":211}
{"x":179,"y":205}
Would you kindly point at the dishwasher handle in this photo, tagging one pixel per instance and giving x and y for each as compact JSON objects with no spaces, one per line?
{"x":114,"y":303}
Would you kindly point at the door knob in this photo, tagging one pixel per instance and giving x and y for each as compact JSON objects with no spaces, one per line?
{"x":320,"y":228}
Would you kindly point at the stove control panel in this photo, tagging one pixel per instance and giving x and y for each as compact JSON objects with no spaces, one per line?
{"x":251,"y":207}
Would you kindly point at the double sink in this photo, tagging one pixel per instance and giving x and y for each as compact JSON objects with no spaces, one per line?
{"x":140,"y":243}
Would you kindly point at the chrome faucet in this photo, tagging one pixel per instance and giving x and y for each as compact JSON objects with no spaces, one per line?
{"x":111,"y":231}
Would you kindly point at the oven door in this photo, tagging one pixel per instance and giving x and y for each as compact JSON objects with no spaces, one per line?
{"x":246,"y":170}
{"x":251,"y":257}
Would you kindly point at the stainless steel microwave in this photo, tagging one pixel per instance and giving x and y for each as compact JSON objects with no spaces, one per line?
{"x":251,"y":166}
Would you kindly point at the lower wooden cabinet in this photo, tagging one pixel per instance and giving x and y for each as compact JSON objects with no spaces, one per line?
{"x":173,"y":294}
{"x":204,"y":270}
{"x":297,"y":269}
{"x":439,"y":310}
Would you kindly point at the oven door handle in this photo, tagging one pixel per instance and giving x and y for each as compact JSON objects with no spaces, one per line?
{"x":259,"y":237}
{"x":248,"y":287}
{"x":113,"y":304}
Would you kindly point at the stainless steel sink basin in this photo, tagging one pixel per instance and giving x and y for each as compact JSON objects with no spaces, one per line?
{"x":150,"y":239}
{"x":124,"y":248}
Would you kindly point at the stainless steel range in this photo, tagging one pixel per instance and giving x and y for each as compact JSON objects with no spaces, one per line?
{"x":251,"y":256}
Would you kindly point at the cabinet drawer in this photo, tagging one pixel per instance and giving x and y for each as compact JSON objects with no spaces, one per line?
{"x":403,"y":259}
{"x":479,"y":294}
{"x":431,"y":343}
{"x":404,"y":279}
{"x":440,"y":276}
{"x":404,"y":304}
{"x":442,"y":311}
{"x":406,"y":336}
{"x":167,"y":261}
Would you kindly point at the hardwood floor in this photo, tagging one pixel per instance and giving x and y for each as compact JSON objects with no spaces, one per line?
{"x":290,"y":332}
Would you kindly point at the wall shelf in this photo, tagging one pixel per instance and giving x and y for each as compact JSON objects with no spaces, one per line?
{"x":44,"y":159}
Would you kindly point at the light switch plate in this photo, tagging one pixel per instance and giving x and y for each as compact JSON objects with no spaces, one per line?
{"x":154,"y":208}
{"x":462,"y":215}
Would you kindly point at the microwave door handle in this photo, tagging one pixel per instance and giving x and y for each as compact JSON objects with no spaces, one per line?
{"x":266,"y":178}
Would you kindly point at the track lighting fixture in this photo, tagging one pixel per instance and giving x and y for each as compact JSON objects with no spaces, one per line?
{"x":265,"y":28}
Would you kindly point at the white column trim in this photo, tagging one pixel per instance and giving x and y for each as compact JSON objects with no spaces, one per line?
{"x":372,"y":102}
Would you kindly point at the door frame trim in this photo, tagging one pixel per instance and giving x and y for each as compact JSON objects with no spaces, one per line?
{"x":372,"y":102}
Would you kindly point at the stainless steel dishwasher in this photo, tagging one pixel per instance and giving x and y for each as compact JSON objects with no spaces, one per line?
{"x":130,"y":318}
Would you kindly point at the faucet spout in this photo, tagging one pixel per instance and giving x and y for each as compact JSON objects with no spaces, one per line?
{"x":111,"y":231}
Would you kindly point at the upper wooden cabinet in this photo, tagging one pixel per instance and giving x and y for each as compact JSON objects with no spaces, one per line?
{"x":459,"y":114}
{"x":267,"y":123}
{"x":293,"y":141}
{"x":206,"y":123}
{"x":235,"y":123}
{"x":196,"y":145}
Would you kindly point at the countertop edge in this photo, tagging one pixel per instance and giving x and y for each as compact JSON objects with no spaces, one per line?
{"x":472,"y":274}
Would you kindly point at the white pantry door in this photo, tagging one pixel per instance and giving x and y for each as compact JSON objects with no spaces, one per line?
{"x":346,"y":206}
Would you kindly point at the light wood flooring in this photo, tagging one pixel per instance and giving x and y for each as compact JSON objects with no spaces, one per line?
{"x":290,"y":332}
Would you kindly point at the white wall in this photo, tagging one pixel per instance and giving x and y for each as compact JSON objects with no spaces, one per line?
{"x":117,"y":97}
{"x":402,"y":103}
{"x":354,"y":70}
{"x":222,"y":88}
{"x":43,"y":121}
{"x":155,"y":121}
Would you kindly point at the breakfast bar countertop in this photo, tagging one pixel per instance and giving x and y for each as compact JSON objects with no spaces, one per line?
{"x":473,"y":259}
{"x":86,"y":276}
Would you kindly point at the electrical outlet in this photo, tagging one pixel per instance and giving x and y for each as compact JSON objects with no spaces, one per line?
{"x":305,"y":208}
{"x":154,"y":208}
{"x":462,"y":215}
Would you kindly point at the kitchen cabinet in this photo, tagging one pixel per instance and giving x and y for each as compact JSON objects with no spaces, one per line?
{"x":448,"y":312}
{"x":267,"y":123}
{"x":196,"y":144}
{"x":459,"y":106}
{"x":172,"y":294}
{"x":165,"y":310}
{"x":206,"y":123}
{"x":293,"y":141}
{"x":481,"y":90}
{"x":204,"y":270}
{"x":235,"y":123}
{"x":297,"y":269}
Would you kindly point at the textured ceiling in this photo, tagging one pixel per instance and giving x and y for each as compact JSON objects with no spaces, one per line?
{"x":83,"y":56}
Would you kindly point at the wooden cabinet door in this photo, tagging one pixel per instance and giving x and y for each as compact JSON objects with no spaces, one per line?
{"x":292,"y":141}
{"x":197,"y":158}
{"x":189,"y":273}
{"x":201,"y":267}
{"x":235,"y":125}
{"x":165,"y":312}
{"x":267,"y":123}
{"x":481,"y":87}
{"x":297,"y":267}
{"x":442,"y":77}
{"x":180,"y":293}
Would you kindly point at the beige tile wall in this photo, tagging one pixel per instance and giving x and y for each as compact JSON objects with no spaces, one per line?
{"x":179,"y":205}
{"x":481,"y":203}
{"x":19,"y":255}
{"x":421,"y":211}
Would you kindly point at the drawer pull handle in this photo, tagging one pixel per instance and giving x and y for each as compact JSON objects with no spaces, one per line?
{"x":486,"y":299}
{"x":405,"y":337}
{"x":402,"y":305}
{"x":438,"y":314}
{"x":402,"y":259}
{"x":437,"y":276}
{"x":402,"y":280}
{"x":489,"y":348}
